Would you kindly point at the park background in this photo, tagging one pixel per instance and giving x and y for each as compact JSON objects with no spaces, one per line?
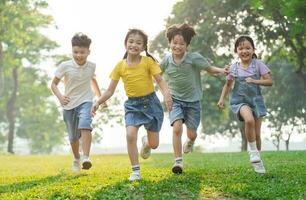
{"x":35,"y":37}
{"x":35,"y":159}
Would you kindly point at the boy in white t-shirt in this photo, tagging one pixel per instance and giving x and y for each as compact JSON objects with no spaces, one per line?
{"x":79,"y":76}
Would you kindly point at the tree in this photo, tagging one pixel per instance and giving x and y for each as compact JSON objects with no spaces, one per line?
{"x":284,"y":24}
{"x":22,"y":45}
{"x":286,"y":111}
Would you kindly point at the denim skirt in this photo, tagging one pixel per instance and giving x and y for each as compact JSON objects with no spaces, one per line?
{"x":146,"y":110}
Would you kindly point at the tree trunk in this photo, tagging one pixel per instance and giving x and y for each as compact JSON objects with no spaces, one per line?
{"x":301,"y":76}
{"x":1,"y":71}
{"x":287,"y":145}
{"x":244,"y":142}
{"x":288,"y":139}
{"x":276,"y":142}
{"x":10,"y":111}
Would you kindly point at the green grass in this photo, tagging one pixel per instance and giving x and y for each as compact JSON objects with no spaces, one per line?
{"x":206,"y":176}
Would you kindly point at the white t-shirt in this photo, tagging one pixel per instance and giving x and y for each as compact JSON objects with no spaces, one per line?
{"x":77,"y":81}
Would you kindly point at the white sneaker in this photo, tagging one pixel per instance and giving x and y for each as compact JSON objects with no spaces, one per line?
{"x":259,"y":167}
{"x":135,"y":176}
{"x":254,"y":156}
{"x":76,"y":166}
{"x":86,"y":163}
{"x":145,"y":151}
{"x":177,"y":168}
{"x":188,"y":146}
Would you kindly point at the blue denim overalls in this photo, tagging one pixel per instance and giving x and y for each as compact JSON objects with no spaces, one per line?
{"x":245,"y":93}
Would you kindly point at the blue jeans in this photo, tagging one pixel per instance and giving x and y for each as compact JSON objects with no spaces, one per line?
{"x":146,"y":110}
{"x":76,"y":119}
{"x":189,"y":112}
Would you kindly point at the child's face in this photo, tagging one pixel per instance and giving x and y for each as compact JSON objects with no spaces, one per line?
{"x":178,"y":45}
{"x":134,"y":44}
{"x":245,"y":51}
{"x":80,"y":54}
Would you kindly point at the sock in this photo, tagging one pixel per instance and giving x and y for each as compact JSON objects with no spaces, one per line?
{"x":85,"y":157}
{"x":136,"y":169}
{"x":252,"y":146}
{"x":77,"y":157}
{"x":179,"y":160}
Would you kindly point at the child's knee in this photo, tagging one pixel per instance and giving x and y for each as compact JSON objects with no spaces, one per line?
{"x":131,"y":137}
{"x":249,"y":122}
{"x":178,"y":130}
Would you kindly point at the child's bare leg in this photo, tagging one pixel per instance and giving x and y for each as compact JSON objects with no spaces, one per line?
{"x":191,"y":134}
{"x":176,"y":139}
{"x":86,"y":141}
{"x":246,"y":114}
{"x":131,"y":138}
{"x":75,"y":149}
{"x":153,"y":139}
{"x":257,"y":132}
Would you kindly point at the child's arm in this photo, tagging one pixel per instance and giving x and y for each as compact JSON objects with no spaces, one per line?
{"x":266,"y":80}
{"x":226,"y":88}
{"x":95,"y":87}
{"x":217,"y":70}
{"x":165,"y":91}
{"x":64,"y":100}
{"x":106,"y":95}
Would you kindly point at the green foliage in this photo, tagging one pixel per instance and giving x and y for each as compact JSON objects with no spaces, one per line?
{"x":39,"y":118}
{"x":24,"y":99}
{"x":206,"y":176}
{"x":277,"y":28}
{"x":285,"y":23}
{"x":286,"y":111}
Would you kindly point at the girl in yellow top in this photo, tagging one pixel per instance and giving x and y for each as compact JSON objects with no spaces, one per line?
{"x":142,"y":107}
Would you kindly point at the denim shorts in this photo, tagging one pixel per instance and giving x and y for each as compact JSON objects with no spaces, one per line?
{"x":146,"y":110}
{"x":76,"y":119}
{"x":189,"y":112}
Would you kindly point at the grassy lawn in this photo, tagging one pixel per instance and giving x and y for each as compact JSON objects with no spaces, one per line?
{"x":206,"y":176}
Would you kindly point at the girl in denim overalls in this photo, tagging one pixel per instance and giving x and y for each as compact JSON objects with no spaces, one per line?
{"x":246,"y":100}
{"x":142,"y":107}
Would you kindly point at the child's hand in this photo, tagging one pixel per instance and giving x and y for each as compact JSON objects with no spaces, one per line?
{"x":221,"y":104}
{"x":249,"y":80}
{"x":168,"y":101}
{"x":226,"y":70}
{"x":94,"y":108}
{"x":64,"y":100}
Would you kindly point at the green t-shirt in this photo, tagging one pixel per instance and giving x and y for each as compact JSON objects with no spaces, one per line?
{"x":184,"y":80}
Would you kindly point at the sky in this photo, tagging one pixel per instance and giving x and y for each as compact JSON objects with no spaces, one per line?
{"x":106,"y":23}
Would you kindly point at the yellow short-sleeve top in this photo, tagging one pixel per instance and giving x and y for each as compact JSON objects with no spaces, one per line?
{"x":137,"y":79}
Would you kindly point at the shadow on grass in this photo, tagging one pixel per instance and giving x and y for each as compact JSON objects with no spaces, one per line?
{"x":185,"y":186}
{"x":25,"y":185}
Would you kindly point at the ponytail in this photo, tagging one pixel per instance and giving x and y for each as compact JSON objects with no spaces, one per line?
{"x":125,"y":55}
{"x":149,"y":55}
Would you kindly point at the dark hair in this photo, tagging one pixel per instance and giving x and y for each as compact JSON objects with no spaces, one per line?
{"x":145,"y":41}
{"x":81,"y":40}
{"x":185,"y":30}
{"x":243,"y":38}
